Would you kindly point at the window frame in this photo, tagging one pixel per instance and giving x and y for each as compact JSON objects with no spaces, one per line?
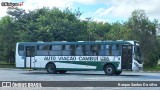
{"x":21,"y":50}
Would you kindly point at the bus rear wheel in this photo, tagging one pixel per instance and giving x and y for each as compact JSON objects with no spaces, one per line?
{"x":62,"y":71}
{"x":51,"y":68}
{"x":118,"y":72}
{"x":109,"y":70}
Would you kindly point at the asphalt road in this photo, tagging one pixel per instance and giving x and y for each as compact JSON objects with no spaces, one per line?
{"x":41,"y":75}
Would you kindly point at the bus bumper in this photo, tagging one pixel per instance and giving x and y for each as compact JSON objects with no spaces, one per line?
{"x":138,"y":67}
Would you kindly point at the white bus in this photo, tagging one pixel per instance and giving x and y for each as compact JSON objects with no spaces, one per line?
{"x":58,"y":57}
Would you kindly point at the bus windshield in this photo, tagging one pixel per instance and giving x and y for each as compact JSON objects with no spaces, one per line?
{"x":137,"y":52}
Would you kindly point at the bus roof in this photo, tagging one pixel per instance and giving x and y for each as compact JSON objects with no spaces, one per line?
{"x":81,"y":42}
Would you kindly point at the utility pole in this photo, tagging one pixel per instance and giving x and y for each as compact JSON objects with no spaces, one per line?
{"x":88,"y":19}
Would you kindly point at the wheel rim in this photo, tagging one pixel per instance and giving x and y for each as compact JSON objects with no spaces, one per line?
{"x":109,"y":70}
{"x":50,"y":68}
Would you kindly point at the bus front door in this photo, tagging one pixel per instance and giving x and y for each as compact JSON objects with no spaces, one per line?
{"x":30,"y":57}
{"x":126,"y":57}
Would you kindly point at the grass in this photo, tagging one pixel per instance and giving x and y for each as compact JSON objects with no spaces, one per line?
{"x":7,"y":65}
{"x":157,"y":68}
{"x":3,"y":62}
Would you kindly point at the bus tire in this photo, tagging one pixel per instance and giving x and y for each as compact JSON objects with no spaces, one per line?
{"x":109,"y":69}
{"x":62,"y":71}
{"x":118,"y":72}
{"x":51,"y":68}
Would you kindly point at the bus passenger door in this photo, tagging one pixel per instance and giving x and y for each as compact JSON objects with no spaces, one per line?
{"x":126,"y":57}
{"x":30,"y":57}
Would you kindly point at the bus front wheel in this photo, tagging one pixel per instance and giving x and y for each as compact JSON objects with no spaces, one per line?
{"x":109,"y":70}
{"x":51,"y":68}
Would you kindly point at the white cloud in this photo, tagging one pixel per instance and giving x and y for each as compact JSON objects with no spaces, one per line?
{"x":87,"y":2}
{"x":34,"y":4}
{"x":118,"y":9}
{"x":103,"y":12}
{"x":99,"y":11}
{"x":123,"y":8}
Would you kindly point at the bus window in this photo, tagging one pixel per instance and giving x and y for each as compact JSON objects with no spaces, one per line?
{"x":112,"y":50}
{"x":42,"y":50}
{"x":79,"y":50}
{"x":66,"y":50}
{"x":101,"y":50}
{"x":21,"y":50}
{"x":108,"y":50}
{"x":87,"y":50}
{"x":73,"y":50}
{"x":115,"y":50}
{"x":56,"y":50}
{"x":95,"y":49}
{"x":30,"y":51}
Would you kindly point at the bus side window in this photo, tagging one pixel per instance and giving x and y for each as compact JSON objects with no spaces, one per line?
{"x":42,"y":50}
{"x":30,"y":51}
{"x":115,"y":50}
{"x":107,"y":48}
{"x":73,"y":50}
{"x":101,"y":50}
{"x":66,"y":50}
{"x":56,"y":50}
{"x":95,"y":49}
{"x":21,"y":50}
{"x":87,"y":50}
{"x":79,"y":50}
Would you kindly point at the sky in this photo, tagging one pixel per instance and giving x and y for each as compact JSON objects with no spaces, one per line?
{"x":97,"y":10}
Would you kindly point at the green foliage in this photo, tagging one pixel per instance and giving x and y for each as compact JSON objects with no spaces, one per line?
{"x":50,"y":25}
{"x":118,"y":32}
{"x":143,"y":30}
{"x":7,"y":65}
{"x":155,"y":68}
{"x":97,"y":30}
{"x":7,"y":39}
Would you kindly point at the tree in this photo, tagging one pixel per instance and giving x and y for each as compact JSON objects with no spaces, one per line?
{"x":143,"y":30}
{"x":49,"y":25}
{"x":7,"y":39}
{"x":97,"y":30}
{"x":118,"y":31}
